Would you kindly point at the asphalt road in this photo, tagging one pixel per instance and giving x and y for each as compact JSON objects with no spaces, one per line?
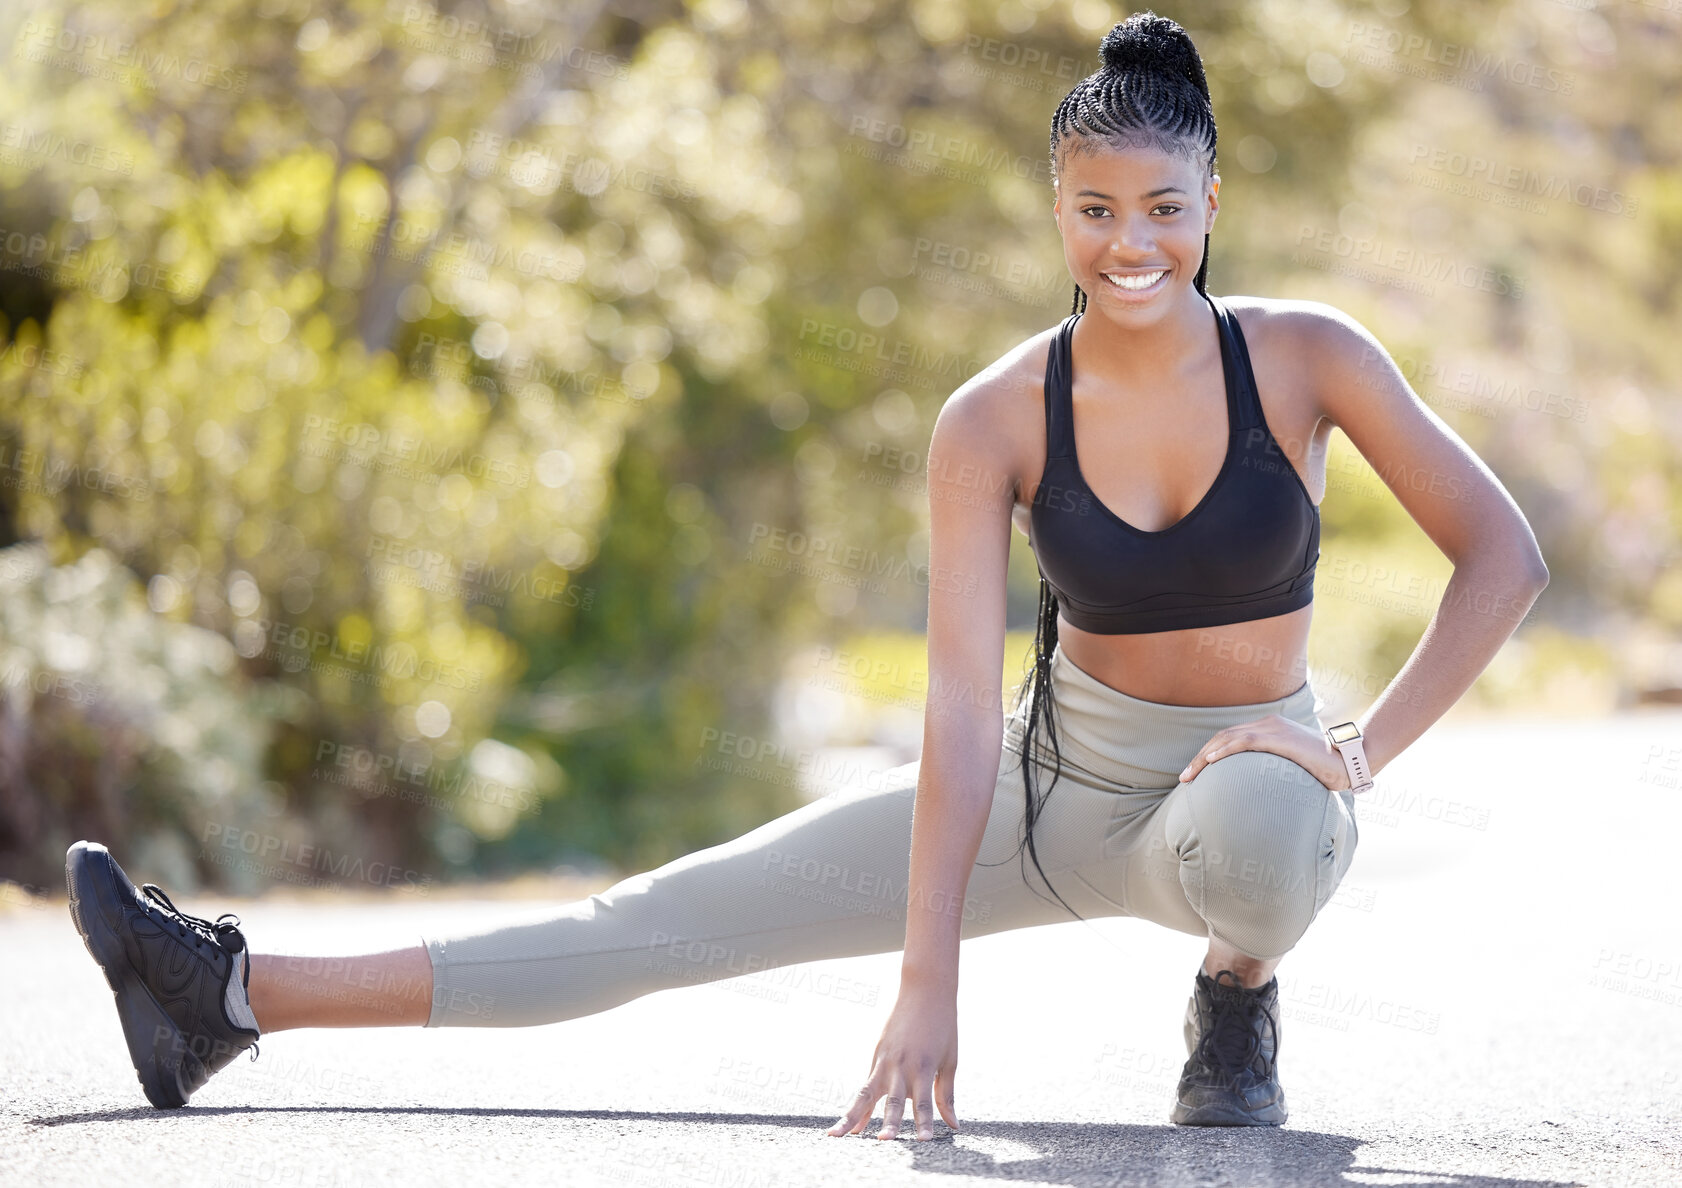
{"x":1494,"y":998}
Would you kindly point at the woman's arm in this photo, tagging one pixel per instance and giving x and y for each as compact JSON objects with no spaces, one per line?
{"x":970,"y":499}
{"x":1454,"y":498}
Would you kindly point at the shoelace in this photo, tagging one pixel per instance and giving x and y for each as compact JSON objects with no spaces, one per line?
{"x":1231,"y":1040}
{"x":203,"y":930}
{"x":227,"y":924}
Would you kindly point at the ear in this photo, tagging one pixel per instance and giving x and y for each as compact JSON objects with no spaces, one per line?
{"x":1214,"y":190}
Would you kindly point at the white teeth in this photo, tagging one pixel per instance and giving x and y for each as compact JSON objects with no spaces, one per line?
{"x":1143,"y":280}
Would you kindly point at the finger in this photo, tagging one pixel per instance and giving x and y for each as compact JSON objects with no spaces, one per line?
{"x":893,"y":1110}
{"x":922,"y":1108}
{"x":858,"y":1114}
{"x":946,"y":1095}
{"x":1207,"y":754}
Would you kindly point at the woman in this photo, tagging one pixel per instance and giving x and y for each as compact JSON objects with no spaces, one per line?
{"x":1169,"y":552}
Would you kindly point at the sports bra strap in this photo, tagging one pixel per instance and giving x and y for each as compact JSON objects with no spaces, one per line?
{"x":1059,"y":392}
{"x":1240,"y":380}
{"x":1235,"y":358}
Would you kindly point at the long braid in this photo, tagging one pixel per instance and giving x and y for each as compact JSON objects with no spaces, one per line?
{"x":1150,"y":90}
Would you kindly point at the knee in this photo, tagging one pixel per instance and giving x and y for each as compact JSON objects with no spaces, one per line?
{"x":1262,"y":845}
{"x":1256,"y":801}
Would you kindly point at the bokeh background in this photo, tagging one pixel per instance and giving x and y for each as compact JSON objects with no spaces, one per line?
{"x":449,"y":442}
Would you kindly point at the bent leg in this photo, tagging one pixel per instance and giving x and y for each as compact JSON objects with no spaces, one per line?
{"x":1247,"y":853}
{"x":826,"y":880}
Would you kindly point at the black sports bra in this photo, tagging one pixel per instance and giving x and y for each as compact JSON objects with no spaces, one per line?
{"x":1246,"y":551}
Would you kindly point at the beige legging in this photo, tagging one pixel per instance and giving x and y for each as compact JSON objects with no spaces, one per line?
{"x":1248,"y":852}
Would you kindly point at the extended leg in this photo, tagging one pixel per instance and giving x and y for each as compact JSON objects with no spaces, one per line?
{"x":829,"y":879}
{"x":392,"y":989}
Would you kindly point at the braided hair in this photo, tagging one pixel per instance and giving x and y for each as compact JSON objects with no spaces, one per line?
{"x":1150,"y":91}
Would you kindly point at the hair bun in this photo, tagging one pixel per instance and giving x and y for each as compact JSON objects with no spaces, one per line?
{"x":1145,"y":41}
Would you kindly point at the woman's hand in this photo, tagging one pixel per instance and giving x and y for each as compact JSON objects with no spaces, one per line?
{"x":1301,"y":744}
{"x":916,"y":1058}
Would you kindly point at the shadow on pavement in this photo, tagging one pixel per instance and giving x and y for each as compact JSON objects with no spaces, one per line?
{"x":1083,"y":1153}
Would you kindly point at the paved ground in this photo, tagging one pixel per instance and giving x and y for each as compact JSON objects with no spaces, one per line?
{"x":1494,"y":998}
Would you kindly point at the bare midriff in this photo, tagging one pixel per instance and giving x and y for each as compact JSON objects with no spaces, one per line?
{"x":1233,"y":664}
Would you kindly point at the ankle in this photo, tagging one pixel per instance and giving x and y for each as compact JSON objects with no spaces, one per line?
{"x":1249,"y":979}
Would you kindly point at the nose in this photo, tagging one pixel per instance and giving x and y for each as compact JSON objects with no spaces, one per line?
{"x":1132,"y":236}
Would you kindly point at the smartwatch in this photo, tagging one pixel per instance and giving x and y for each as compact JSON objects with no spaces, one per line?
{"x":1346,"y":738}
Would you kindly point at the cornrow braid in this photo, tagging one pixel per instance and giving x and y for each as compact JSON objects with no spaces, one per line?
{"x":1151,"y":90}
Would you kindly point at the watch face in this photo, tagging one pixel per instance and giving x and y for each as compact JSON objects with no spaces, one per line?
{"x":1347,"y":732}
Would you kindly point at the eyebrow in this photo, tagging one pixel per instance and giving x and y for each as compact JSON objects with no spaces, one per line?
{"x":1152,"y":194}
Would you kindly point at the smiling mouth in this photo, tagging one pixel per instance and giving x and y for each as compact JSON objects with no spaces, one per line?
{"x":1134,"y":282}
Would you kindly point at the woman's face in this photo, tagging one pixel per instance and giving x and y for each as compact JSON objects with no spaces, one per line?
{"x":1138,"y":215}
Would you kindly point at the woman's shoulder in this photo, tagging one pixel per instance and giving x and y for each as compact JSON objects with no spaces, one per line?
{"x":996,"y":419}
{"x":1294,"y":325}
{"x":1006,"y":391}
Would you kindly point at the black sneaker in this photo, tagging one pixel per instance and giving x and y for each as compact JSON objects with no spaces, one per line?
{"x":1232,"y":1034}
{"x":179,"y":981}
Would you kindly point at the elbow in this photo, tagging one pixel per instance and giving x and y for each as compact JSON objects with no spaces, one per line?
{"x":1510,"y":563}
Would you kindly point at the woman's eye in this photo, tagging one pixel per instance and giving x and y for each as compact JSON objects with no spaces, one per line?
{"x":1094,"y":210}
{"x":1167,"y":207}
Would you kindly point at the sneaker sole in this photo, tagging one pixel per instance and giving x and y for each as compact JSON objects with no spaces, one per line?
{"x":1225,"y":1114}
{"x":150,"y":1033}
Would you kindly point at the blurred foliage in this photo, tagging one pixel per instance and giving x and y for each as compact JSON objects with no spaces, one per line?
{"x":463,"y":367}
{"x":112,"y":717}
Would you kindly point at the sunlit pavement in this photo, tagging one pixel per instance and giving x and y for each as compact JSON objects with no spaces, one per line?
{"x":1494,"y":998}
